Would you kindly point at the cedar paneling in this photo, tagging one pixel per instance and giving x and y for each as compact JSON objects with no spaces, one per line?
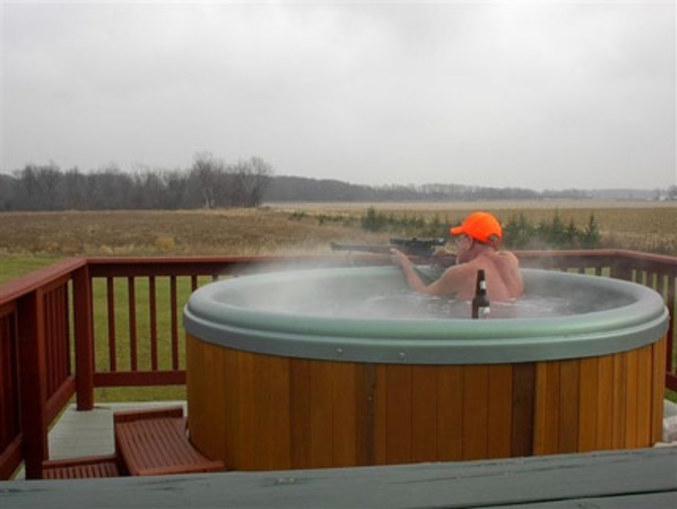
{"x":449,"y":416}
{"x":475,"y":411}
{"x":589,"y":398}
{"x":265,"y":412}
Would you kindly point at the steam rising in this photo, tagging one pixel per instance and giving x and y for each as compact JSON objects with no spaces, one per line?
{"x":385,"y":295}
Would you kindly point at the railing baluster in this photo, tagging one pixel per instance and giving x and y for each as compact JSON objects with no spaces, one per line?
{"x":670,"y":343}
{"x":131,"y":298}
{"x":174,"y":322}
{"x":84,"y":338}
{"x":32,"y":382}
{"x":153,"y":323}
{"x":112,"y":355}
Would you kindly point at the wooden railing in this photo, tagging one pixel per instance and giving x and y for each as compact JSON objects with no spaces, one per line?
{"x":101,"y":322}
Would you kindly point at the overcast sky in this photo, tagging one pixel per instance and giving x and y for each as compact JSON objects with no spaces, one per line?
{"x":537,"y":94}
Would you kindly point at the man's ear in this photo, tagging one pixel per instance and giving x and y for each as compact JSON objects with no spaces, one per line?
{"x":495,"y":241}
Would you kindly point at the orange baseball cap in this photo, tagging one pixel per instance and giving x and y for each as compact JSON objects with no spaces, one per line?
{"x":481,"y":226}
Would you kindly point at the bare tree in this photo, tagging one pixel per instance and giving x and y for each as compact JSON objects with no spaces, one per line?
{"x":251,"y":178}
{"x":205,"y":172}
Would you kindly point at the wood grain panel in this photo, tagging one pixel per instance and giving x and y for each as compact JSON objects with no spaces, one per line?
{"x":299,"y":407}
{"x":380,"y":414}
{"x":631,"y":383}
{"x":618,"y":401}
{"x":658,"y":390}
{"x":589,"y":396}
{"x":644,"y":373}
{"x":546,"y":420}
{"x":605,"y":380}
{"x":450,"y":413}
{"x":344,"y":414}
{"x":366,"y":420}
{"x":499,"y":432}
{"x":475,"y":411}
{"x":259,"y":412}
{"x":568,"y":405}
{"x":398,"y":414}
{"x":424,"y":413}
{"x":321,"y":415}
{"x":244,"y":414}
{"x":523,"y":390}
{"x":272,"y":411}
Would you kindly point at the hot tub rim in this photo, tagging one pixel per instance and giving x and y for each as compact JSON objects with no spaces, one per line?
{"x":491,"y":341}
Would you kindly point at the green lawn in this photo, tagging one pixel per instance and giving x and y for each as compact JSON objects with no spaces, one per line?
{"x":13,"y":267}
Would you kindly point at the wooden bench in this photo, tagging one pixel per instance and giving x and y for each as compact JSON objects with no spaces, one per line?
{"x":155,"y":442}
{"x":81,"y":468}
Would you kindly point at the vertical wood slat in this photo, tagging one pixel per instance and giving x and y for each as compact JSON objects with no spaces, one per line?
{"x":380,"y":412}
{"x":546,"y":418}
{"x":524,"y":380}
{"x":424,"y":413}
{"x":449,"y":418}
{"x":631,"y":383}
{"x":499,"y":416}
{"x":569,"y":405}
{"x":322,"y":417}
{"x":84,"y":338}
{"x":365,"y":417}
{"x":152,"y":310}
{"x":605,"y":401}
{"x":299,"y":404}
{"x":174,"y":322}
{"x":670,"y":343}
{"x":398,"y":413}
{"x":9,"y":397}
{"x":345,"y":409}
{"x":643,"y":398}
{"x":271,"y":401}
{"x":110,"y":300}
{"x":589,"y":404}
{"x":658,"y":389}
{"x":133,"y":341}
{"x":50,"y":342}
{"x":33,"y":383}
{"x":618,"y":391}
{"x":475,"y":411}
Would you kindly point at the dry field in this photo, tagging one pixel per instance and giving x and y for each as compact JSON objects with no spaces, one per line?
{"x":31,"y":240}
{"x":299,"y":228}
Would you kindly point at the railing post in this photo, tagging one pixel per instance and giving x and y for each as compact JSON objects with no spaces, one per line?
{"x":620,"y":269}
{"x":32,"y":373}
{"x":84,"y":338}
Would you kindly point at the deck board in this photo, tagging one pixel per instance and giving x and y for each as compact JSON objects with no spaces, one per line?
{"x":90,"y":433}
{"x":639,"y":478}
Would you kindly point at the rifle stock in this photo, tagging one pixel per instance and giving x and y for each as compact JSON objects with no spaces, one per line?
{"x":420,"y":248}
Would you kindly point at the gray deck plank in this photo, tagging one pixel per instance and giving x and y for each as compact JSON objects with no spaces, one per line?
{"x":639,"y":478}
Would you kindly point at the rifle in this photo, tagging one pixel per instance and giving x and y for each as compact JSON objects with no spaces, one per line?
{"x":413,"y":246}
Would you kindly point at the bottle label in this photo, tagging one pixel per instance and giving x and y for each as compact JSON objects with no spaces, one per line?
{"x":483,"y":312}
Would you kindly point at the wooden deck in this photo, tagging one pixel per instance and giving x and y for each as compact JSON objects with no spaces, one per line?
{"x":645,"y":478}
{"x":90,"y":433}
{"x":637,"y":478}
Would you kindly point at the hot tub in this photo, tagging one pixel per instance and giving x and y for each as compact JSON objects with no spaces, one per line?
{"x":280,"y":375}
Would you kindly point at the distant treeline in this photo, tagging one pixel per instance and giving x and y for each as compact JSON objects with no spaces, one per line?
{"x":285,"y":188}
{"x":211,"y":183}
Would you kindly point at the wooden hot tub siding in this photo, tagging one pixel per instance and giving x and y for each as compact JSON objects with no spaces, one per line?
{"x":261,"y":412}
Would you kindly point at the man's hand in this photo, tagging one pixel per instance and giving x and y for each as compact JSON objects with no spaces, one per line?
{"x":398,"y":257}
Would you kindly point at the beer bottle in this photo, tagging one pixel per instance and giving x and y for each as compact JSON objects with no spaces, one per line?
{"x":480,"y":303}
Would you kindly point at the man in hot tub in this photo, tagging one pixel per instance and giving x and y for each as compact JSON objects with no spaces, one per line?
{"x":478,"y":240}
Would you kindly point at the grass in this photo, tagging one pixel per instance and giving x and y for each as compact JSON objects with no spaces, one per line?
{"x":29,"y":241}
